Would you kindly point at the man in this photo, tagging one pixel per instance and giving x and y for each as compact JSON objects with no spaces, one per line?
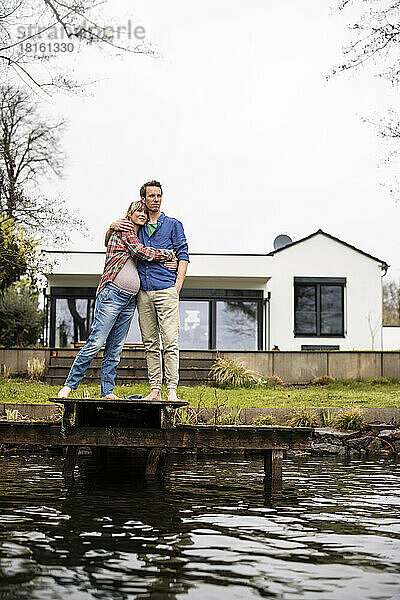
{"x":158,"y":298}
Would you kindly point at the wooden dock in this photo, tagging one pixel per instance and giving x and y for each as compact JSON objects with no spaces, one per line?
{"x":101,"y":423}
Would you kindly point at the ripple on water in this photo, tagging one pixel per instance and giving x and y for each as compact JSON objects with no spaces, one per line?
{"x":210,"y":531}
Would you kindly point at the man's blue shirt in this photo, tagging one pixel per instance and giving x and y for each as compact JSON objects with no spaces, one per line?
{"x":169,"y":234}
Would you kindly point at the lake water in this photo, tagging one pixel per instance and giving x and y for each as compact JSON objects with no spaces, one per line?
{"x":210,"y":531}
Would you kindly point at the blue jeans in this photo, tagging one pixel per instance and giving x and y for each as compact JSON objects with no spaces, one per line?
{"x":112,"y":317}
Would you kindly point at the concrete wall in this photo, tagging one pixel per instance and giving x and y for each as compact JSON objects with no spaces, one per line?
{"x":292,"y":367}
{"x":16,"y":359}
{"x":391,"y":337}
{"x":302,"y":367}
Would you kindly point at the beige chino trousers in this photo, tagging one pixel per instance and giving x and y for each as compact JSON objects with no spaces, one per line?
{"x":159,"y":320}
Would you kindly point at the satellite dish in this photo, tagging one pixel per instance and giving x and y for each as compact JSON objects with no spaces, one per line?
{"x":281,"y":241}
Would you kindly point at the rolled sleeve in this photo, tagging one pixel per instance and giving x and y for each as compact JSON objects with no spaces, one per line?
{"x":179,"y":242}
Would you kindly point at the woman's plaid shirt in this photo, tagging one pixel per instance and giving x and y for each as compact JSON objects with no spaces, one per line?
{"x":122,"y":245}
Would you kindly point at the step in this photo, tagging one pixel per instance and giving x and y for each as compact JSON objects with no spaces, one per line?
{"x":128,"y":374}
{"x":185,"y":363}
{"x":133,"y":366}
{"x":58,"y":380}
{"x":139,"y":353}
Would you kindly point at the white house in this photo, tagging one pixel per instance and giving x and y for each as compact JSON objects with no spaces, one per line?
{"x":316,"y":293}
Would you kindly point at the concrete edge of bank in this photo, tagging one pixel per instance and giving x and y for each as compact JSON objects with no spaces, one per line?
{"x":389,"y":415}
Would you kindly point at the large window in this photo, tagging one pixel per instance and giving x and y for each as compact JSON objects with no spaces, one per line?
{"x":194,"y":331}
{"x":134,"y":336}
{"x":221,"y":319}
{"x":319,"y":306}
{"x":73,"y":319}
{"x":236,"y":322}
{"x":209,"y":319}
{"x":70,"y":316}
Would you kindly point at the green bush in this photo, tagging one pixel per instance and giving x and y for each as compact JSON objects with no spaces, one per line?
{"x":273,"y":380}
{"x":264,"y":420}
{"x":303,"y":418}
{"x":232,"y":417}
{"x":323,"y":380}
{"x":328,"y":417}
{"x":20,"y":319}
{"x":378,"y":381}
{"x":228,"y":372}
{"x":36,"y":369}
{"x":350,"y":418}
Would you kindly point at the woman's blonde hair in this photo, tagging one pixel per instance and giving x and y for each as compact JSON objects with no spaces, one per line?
{"x":136,"y":205}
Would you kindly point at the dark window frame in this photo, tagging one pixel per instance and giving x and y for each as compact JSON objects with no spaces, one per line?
{"x":210,"y":295}
{"x":65,"y":293}
{"x":319,"y":282}
{"x":319,"y":348}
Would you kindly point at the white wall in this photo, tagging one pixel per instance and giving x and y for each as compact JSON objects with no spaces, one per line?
{"x":205,"y":271}
{"x":321,"y":256}
{"x":201,"y":265}
{"x":391,"y":337}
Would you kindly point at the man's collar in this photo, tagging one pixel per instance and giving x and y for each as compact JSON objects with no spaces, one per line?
{"x":160,"y":219}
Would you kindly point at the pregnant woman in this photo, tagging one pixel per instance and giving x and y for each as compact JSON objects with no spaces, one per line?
{"x":115,"y":302}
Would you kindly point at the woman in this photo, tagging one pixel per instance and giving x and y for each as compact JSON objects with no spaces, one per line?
{"x":115,"y":302}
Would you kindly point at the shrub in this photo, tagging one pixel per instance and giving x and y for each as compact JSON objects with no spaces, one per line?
{"x":12,"y":414}
{"x":350,"y":418}
{"x":328,"y":417}
{"x":264,"y":420}
{"x":303,"y":418}
{"x":274,"y":379}
{"x":20,"y":318}
{"x":5,"y":371}
{"x":35,"y":369}
{"x":323,"y":380}
{"x":229,"y":372}
{"x":230,"y":418}
{"x":378,"y":381}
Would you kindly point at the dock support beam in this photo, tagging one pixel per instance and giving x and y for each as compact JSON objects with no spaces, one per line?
{"x":70,"y":462}
{"x":273,"y":465}
{"x":155,"y":462}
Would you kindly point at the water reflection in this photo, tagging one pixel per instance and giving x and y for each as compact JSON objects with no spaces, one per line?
{"x":210,"y":531}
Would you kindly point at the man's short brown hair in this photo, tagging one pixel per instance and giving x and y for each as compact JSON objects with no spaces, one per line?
{"x":152,"y":183}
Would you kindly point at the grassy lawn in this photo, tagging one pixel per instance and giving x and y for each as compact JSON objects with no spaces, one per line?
{"x":338,"y":393}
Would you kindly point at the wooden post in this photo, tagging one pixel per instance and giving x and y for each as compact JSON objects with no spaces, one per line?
{"x":68,"y":417}
{"x":273,"y":465}
{"x":153,"y":462}
{"x":70,"y":462}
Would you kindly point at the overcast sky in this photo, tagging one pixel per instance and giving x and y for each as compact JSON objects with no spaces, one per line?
{"x":237,"y":121}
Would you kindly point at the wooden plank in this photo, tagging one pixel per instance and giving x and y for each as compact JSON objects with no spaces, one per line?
{"x":224,"y":438}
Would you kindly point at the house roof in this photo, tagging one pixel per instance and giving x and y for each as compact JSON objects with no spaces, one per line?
{"x":384,"y":264}
{"x":332,"y":237}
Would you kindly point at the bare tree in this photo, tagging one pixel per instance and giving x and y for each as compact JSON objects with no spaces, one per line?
{"x":376,"y":45}
{"x":29,"y":152}
{"x":391,"y":303}
{"x":376,"y":27}
{"x":28,"y":29}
